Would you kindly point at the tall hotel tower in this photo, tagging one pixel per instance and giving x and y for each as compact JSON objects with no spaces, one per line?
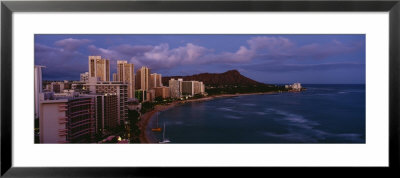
{"x":142,"y":79}
{"x":155,"y":80}
{"x":126,"y":74}
{"x":67,"y":120}
{"x":99,"y":68}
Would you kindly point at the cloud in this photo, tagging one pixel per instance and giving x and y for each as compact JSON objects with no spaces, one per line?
{"x":71,"y":44}
{"x":62,"y":64}
{"x":243,"y":54}
{"x":158,"y":56}
{"x":130,"y":50}
{"x":163,"y":56}
{"x":270,"y":51}
{"x":106,"y":53}
{"x":47,"y":54}
{"x":260,"y":47}
{"x":272,"y":44}
{"x":321,"y":51}
{"x":279,"y":67}
{"x":274,"y":48}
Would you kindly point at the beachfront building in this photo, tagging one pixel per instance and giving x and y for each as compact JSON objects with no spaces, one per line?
{"x":67,"y":119}
{"x":175,"y":87}
{"x":196,"y":87}
{"x":84,"y":77}
{"x":199,"y":87}
{"x":202,"y":88}
{"x":155,"y":80}
{"x":188,"y":88}
{"x":119,"y":89}
{"x":99,"y":68}
{"x":159,"y":80}
{"x":152,"y":81}
{"x":295,"y":87}
{"x":191,"y":88}
{"x":126,"y":74}
{"x":163,"y":92}
{"x":142,"y":79}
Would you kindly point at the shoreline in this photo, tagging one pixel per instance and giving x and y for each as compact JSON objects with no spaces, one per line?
{"x":145,"y":118}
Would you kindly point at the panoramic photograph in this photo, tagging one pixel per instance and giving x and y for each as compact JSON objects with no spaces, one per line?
{"x":199,"y":88}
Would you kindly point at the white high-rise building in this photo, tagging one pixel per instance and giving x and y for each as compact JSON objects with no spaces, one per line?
{"x":38,"y":88}
{"x":175,"y":87}
{"x":67,"y":120}
{"x":202,"y":88}
{"x":99,"y":68}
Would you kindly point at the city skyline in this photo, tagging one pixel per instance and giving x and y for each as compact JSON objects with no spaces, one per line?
{"x":265,"y":58}
{"x":90,"y":110}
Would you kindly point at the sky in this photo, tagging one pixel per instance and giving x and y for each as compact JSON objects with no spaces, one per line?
{"x":274,"y":59}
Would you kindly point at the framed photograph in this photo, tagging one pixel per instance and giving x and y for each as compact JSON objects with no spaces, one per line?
{"x":104,"y":88}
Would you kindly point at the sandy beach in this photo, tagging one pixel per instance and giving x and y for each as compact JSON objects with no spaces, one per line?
{"x":145,"y":118}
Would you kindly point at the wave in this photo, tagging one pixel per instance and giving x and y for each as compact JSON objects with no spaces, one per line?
{"x":260,"y":113}
{"x":303,"y":130}
{"x":292,"y":137}
{"x":231,"y":101}
{"x":225,"y":109}
{"x":249,"y":104}
{"x":352,"y":91}
{"x":315,"y":136}
{"x":232,"y":117}
{"x":292,"y":119}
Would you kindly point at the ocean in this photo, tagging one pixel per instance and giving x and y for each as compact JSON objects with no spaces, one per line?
{"x":321,"y":114}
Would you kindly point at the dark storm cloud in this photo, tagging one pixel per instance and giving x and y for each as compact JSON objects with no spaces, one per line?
{"x":62,"y":60}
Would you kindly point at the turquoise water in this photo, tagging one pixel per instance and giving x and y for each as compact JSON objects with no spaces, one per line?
{"x":321,"y":114}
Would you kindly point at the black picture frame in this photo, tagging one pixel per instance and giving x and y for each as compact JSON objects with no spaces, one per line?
{"x":8,"y":7}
